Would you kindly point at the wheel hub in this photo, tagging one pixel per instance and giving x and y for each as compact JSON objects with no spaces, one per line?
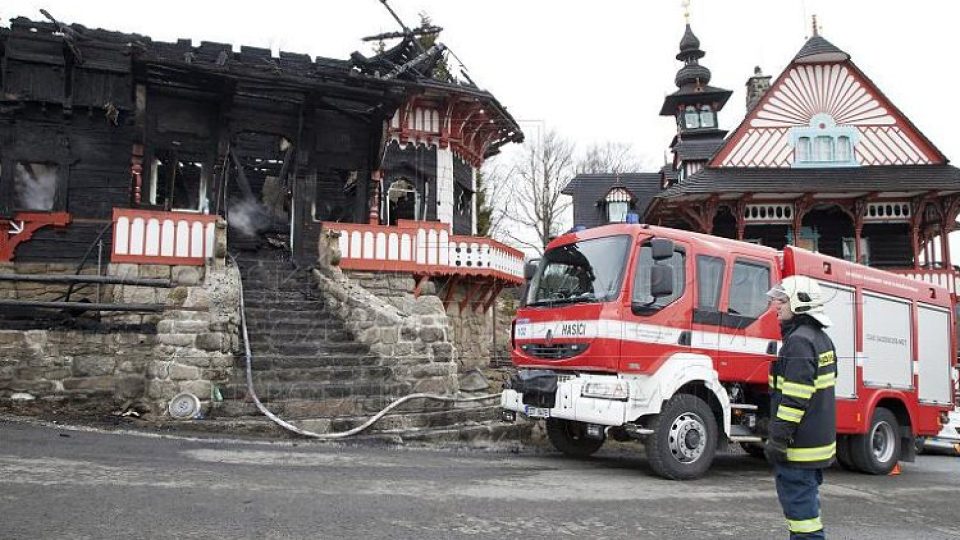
{"x":687,"y":437}
{"x":882,"y":442}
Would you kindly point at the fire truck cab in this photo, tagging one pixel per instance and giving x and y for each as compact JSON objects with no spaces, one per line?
{"x":637,"y":332}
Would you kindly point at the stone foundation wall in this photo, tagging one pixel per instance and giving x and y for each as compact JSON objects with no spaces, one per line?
{"x":411,"y":334}
{"x":89,"y":365}
{"x":480,"y":338}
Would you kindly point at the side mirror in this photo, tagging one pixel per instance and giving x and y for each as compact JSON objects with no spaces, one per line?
{"x":530,"y":269}
{"x":661,"y":280}
{"x":661,"y":249}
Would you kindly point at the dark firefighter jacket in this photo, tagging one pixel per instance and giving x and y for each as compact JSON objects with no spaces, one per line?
{"x":802,"y":397}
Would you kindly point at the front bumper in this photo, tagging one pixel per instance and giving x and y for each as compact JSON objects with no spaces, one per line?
{"x":569,"y":404}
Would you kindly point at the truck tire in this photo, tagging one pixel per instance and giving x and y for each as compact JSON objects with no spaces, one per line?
{"x":878,"y":450}
{"x":684,"y":438}
{"x":843,"y":453}
{"x":571,"y":439}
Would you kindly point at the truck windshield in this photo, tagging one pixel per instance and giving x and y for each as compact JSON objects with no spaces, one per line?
{"x":587,"y":271}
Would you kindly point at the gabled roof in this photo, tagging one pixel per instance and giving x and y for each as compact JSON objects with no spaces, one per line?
{"x":697,"y":149}
{"x":823,"y":80}
{"x":588,"y":190}
{"x":818,"y":49}
{"x":915,"y":178}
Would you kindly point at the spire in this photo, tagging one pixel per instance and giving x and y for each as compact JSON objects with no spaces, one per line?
{"x":816,"y":31}
{"x":693,"y":79}
{"x":692,"y":73}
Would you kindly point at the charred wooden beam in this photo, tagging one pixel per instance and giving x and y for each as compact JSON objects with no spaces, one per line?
{"x":80,"y":278}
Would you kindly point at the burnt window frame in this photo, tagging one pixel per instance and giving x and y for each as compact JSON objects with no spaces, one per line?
{"x":176,"y":154}
{"x":16,"y":154}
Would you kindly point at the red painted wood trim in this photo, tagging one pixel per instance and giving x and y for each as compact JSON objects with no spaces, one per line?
{"x":32,"y":222}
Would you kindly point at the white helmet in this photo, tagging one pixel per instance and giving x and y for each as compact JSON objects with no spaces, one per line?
{"x":803,"y":294}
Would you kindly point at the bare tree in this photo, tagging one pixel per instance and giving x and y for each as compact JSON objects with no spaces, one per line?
{"x":608,"y":157}
{"x":535,"y":206}
{"x":493,"y":193}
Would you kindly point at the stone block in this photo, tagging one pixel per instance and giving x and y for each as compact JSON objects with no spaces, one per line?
{"x":10,"y":337}
{"x":130,"y":387}
{"x":155,"y":271}
{"x":197,"y":297}
{"x":138,"y":295}
{"x":89,"y":383}
{"x":474,"y":381}
{"x":431,"y":334}
{"x":176,"y":296}
{"x":187,"y":275}
{"x":212,"y":341}
{"x":161,"y":389}
{"x":128,"y":366}
{"x":34,"y":387}
{"x":180,"y":372}
{"x":91,"y":366}
{"x":389,"y":335}
{"x":434,"y":385}
{"x":443,"y":352}
{"x":201,"y":389}
{"x":158,"y":369}
{"x":177,"y":340}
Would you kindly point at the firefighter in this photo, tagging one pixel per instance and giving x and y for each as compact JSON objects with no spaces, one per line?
{"x":802,"y":434}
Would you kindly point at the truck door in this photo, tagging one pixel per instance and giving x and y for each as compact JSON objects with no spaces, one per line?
{"x":749,"y":330}
{"x":654,"y":327}
{"x":709,"y":278}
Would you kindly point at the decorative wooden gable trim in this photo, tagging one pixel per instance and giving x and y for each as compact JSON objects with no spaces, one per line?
{"x":834,"y":100}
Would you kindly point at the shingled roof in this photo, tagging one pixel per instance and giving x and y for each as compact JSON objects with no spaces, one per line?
{"x":914,"y":178}
{"x":697,"y":149}
{"x":589,"y":189}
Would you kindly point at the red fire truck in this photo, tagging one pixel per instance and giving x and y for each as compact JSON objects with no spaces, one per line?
{"x":636,"y":332}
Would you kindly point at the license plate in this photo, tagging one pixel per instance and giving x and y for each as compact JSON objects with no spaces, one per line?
{"x":537,"y":412}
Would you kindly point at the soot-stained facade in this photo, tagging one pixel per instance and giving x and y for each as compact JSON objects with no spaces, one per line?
{"x":92,"y":121}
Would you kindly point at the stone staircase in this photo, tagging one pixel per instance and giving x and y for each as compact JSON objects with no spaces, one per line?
{"x":308,"y":369}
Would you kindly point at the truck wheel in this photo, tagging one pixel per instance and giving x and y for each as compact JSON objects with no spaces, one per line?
{"x":684,"y":438}
{"x":571,"y":438}
{"x":878,"y":450}
{"x":843,"y":453}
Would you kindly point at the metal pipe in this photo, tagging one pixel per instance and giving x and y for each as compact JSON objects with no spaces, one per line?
{"x":85,"y":306}
{"x":80,"y":278}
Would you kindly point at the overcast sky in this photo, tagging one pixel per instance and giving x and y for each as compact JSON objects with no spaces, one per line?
{"x":597,"y":70}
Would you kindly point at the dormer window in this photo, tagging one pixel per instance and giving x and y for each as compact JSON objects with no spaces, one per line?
{"x":706,"y":117}
{"x":691,"y":120}
{"x":618,"y":205}
{"x":822,"y":143}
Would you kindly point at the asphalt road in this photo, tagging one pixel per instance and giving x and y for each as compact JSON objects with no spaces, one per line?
{"x":58,"y":483}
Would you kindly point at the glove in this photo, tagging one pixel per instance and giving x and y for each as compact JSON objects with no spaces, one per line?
{"x":775,"y":451}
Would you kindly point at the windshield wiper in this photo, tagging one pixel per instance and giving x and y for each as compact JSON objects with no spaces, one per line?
{"x":585,"y":297}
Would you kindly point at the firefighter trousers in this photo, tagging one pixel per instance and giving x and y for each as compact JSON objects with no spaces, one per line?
{"x":799,"y":494}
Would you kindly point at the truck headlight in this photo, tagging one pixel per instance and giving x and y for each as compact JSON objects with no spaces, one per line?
{"x":606,"y":390}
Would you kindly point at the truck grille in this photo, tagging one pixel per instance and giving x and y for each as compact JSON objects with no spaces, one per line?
{"x":557,"y":351}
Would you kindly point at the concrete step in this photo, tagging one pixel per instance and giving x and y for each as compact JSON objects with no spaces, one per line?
{"x":320,"y":332}
{"x":326,"y":374}
{"x":312,"y":307}
{"x":277,"y":391}
{"x":263,"y":362}
{"x":263,"y":346}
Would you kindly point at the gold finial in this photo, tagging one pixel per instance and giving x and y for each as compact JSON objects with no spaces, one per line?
{"x":816,"y":29}
{"x":686,"y":10}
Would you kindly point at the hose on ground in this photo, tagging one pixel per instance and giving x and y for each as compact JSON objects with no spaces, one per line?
{"x":336,"y":435}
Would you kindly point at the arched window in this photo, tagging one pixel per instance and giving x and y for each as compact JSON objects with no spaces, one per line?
{"x":402,"y":201}
{"x":691,"y":119}
{"x":823,"y":148}
{"x":618,"y":205}
{"x":843,"y":148}
{"x":803,"y":149}
{"x":706,"y":117}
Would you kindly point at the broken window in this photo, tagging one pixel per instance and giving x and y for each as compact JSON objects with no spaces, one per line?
{"x":35,"y":186}
{"x":403,"y":201}
{"x":176,"y":184}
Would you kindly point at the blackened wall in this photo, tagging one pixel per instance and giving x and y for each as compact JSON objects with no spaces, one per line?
{"x":463,"y":197}
{"x":418,"y":165}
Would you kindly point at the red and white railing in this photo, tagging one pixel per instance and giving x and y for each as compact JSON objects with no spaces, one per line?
{"x":424,"y":247}
{"x":944,"y":277}
{"x":149,"y":237}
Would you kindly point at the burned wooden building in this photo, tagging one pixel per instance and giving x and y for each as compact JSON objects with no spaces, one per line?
{"x":822,"y":160}
{"x":102,"y":130}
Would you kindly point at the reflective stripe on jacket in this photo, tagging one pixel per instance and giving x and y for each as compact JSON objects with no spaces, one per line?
{"x":802,"y":397}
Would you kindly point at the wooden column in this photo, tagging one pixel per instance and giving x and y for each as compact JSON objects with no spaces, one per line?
{"x":859,"y":211}
{"x":741,"y":216}
{"x":945,"y":246}
{"x":375,"y":177}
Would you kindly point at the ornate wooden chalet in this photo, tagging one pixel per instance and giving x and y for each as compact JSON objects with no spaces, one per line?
{"x":141,"y":144}
{"x":825,"y":161}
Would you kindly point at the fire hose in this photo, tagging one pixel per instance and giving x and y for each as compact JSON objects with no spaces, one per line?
{"x":336,"y":435}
